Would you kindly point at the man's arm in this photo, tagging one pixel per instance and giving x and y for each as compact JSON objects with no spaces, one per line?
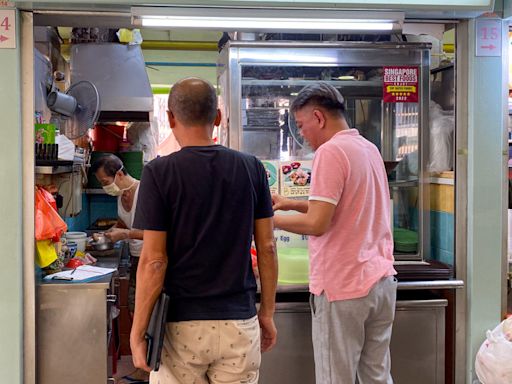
{"x":120,"y":224}
{"x":150,"y":280}
{"x":267,"y":265}
{"x":282,"y":203}
{"x":117,"y":234}
{"x":315,"y":222}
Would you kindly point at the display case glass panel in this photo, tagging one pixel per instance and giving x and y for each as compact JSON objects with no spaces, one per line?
{"x":260,"y":82}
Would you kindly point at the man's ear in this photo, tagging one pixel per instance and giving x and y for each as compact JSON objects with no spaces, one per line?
{"x":218,"y":118}
{"x":320,"y":117}
{"x":172,"y":119}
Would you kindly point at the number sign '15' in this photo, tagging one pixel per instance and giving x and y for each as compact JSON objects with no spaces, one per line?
{"x":488,"y":37}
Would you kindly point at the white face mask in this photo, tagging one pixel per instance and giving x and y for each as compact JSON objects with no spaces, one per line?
{"x":113,"y":189}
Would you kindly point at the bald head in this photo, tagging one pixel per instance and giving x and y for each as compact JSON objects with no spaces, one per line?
{"x":193,"y":101}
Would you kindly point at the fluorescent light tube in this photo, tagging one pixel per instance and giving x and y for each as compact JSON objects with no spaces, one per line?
{"x":270,"y":24}
{"x":265,"y":20}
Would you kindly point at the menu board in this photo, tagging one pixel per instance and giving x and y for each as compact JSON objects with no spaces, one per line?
{"x":295,"y":177}
{"x":271,"y":167}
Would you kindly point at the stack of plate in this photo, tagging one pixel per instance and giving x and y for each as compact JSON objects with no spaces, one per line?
{"x":405,"y":240}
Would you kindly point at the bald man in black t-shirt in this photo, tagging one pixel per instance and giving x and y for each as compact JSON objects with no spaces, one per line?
{"x":200,"y":208}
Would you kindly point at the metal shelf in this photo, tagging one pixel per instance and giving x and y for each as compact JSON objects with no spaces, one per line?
{"x":301,"y":83}
{"x":403,"y":183}
{"x":265,"y":108}
{"x":95,"y":191}
{"x":54,"y":170}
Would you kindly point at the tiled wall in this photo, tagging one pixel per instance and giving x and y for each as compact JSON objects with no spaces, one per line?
{"x":442,"y":223}
{"x":93,"y":207}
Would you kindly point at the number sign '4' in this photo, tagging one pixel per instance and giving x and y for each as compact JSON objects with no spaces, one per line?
{"x":7,"y":28}
{"x":488,"y":37}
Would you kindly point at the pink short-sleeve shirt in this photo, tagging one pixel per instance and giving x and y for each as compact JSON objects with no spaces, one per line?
{"x":357,"y":249}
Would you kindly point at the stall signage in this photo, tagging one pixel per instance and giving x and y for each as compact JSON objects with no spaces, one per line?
{"x":488,"y":37}
{"x":272,"y":170}
{"x":7,"y":28}
{"x":400,"y":85}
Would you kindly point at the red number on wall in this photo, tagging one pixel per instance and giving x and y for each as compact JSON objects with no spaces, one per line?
{"x":5,"y":24}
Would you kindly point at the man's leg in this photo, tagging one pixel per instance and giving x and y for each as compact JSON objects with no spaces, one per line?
{"x":375,"y":363}
{"x":338,"y":338}
{"x":239,"y":356}
{"x":189,"y":348}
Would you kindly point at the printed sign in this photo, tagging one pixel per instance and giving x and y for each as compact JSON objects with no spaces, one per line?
{"x":400,"y":85}
{"x":7,"y":28}
{"x":288,"y":239}
{"x":488,"y":37}
{"x":295,"y":178}
{"x":272,"y":167}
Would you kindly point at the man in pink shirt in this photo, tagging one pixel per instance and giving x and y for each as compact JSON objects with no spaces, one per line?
{"x":350,"y":243}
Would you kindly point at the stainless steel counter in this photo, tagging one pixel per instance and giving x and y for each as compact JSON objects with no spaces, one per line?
{"x":73,"y":325}
{"x":421,"y":361}
{"x":402,"y":285}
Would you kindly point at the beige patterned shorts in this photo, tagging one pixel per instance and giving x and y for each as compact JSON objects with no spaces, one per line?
{"x":210,"y":352}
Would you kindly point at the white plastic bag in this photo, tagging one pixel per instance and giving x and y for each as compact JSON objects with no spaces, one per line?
{"x":493,"y":363}
{"x":442,"y":126}
{"x":66,"y":148}
{"x":143,"y":137}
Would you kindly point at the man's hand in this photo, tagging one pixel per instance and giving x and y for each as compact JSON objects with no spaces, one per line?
{"x":139,"y":351}
{"x":279,"y":202}
{"x":116,"y":234}
{"x":268,"y":332}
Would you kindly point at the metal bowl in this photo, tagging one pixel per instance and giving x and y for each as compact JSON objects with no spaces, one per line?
{"x":99,"y":242}
{"x":103,"y":246}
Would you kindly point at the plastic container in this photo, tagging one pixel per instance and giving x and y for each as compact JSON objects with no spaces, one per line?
{"x":133,"y":162}
{"x":106,"y":138}
{"x":293,"y":265}
{"x":80,"y":238}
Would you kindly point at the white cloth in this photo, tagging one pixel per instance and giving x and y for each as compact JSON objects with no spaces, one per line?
{"x":127,"y":218}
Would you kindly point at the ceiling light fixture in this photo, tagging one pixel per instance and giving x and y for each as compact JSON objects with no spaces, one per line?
{"x":266,"y":20}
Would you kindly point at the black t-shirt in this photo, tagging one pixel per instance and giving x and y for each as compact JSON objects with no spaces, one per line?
{"x":206,"y":199}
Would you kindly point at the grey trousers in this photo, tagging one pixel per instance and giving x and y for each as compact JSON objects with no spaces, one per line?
{"x":351,"y":337}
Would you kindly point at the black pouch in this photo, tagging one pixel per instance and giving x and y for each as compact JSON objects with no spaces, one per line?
{"x":156,"y":332}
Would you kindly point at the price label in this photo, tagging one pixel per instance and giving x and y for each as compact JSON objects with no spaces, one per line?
{"x":7,"y":28}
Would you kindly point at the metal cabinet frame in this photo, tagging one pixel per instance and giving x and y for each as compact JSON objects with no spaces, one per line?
{"x":237,"y":54}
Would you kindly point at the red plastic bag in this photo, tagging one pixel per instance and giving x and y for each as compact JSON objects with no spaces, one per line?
{"x":48,"y":197}
{"x":49,"y":225}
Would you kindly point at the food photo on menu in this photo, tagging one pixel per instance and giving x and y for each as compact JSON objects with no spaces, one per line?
{"x":295,"y":177}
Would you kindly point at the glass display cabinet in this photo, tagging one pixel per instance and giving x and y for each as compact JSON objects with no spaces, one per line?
{"x":386,"y":89}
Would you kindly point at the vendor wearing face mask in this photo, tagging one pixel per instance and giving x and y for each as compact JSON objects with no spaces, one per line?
{"x":110,"y":172}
